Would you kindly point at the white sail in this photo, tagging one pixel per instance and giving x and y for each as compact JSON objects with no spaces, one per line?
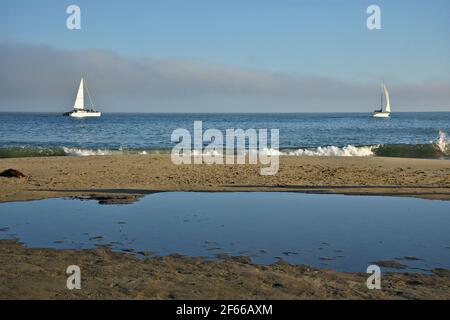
{"x":79,"y":101}
{"x":388,"y":103}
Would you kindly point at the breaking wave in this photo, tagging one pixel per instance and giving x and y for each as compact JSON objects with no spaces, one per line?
{"x":89,"y":152}
{"x":20,"y":152}
{"x":443,"y":142}
{"x":438,"y":149}
{"x":332,"y":151}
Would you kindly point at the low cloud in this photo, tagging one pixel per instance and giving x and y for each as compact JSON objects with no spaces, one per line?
{"x":43,"y":78}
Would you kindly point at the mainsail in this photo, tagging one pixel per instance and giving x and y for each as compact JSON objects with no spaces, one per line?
{"x":386,"y":94}
{"x":79,"y":101}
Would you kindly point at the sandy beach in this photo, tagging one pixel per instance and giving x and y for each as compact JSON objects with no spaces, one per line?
{"x":124,"y":179}
{"x":110,"y":275}
{"x":127,"y":176}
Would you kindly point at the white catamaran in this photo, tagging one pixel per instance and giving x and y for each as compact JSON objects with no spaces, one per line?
{"x":80,"y":110}
{"x":387,"y":110}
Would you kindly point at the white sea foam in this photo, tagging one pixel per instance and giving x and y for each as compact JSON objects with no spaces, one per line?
{"x":99,"y":152}
{"x":213,"y":153}
{"x":87,"y":152}
{"x":329,"y":151}
{"x":443,"y":142}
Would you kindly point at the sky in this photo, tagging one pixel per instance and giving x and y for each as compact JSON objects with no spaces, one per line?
{"x":225,"y":55}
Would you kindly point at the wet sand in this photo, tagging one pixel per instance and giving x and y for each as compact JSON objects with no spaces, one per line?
{"x":128,"y":176}
{"x":40,"y":274}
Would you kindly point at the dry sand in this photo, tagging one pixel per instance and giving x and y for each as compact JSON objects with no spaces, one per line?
{"x":142,"y":174}
{"x":40,"y":273}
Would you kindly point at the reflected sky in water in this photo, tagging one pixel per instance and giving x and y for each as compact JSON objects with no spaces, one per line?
{"x":335,"y":231}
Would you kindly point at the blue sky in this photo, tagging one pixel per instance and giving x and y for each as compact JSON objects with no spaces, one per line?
{"x":321,"y":38}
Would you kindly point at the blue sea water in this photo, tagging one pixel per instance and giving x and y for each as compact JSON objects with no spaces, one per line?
{"x":421,"y":135}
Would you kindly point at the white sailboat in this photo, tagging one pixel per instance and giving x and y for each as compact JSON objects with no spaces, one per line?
{"x":79,"y":108}
{"x":387,"y":109}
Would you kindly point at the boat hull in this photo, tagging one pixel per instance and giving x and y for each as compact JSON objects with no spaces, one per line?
{"x":381,"y":114}
{"x":84,"y":114}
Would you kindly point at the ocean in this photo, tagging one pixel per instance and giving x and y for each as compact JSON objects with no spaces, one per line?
{"x":415,"y":135}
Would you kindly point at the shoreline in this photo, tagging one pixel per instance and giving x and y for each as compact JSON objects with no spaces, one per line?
{"x":131,"y":176}
{"x":113,"y":275}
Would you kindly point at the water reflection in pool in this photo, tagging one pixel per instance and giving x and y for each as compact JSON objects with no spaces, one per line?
{"x":336,"y":231}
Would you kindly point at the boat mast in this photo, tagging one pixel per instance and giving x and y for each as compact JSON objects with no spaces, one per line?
{"x":89,"y":95}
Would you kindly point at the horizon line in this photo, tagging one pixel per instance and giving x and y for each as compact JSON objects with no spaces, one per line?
{"x":209,"y":112}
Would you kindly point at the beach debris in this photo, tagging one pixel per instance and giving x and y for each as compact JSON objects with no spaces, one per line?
{"x":288,"y":253}
{"x":145,"y":253}
{"x":214,"y":248}
{"x":277,"y":285}
{"x":103,"y":246}
{"x":172,"y":296}
{"x":414,"y":282}
{"x":12,"y":173}
{"x":96,"y":238}
{"x":409,"y":258}
{"x":4,"y":229}
{"x":326,"y":258}
{"x":393,"y":264}
{"x":116,"y":243}
{"x":110,"y":199}
{"x":241,"y":259}
{"x":222,"y":256}
{"x":441,"y":272}
{"x":280,"y":260}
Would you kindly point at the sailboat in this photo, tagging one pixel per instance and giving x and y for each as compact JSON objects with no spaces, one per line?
{"x":387,"y":109}
{"x":79,"y":108}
